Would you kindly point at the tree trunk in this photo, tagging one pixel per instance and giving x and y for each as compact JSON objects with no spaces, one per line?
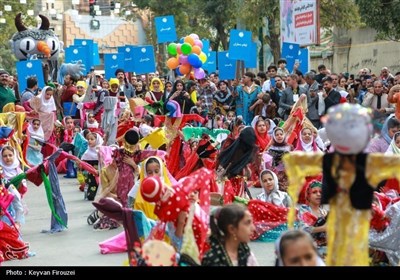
{"x":222,"y":35}
{"x":274,"y":39}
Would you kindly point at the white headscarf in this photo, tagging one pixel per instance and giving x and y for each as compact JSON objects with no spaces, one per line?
{"x":393,"y":149}
{"x":46,"y":106}
{"x":10,"y":171}
{"x":91,"y":153}
{"x":307,"y":147}
{"x":37,"y":134}
{"x":272,"y":125}
{"x":276,"y":196}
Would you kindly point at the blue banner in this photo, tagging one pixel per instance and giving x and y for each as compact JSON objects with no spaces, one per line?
{"x":96,"y":56}
{"x":143,"y":59}
{"x":165,"y":28}
{"x":112,"y":61}
{"x":211,"y":63}
{"x":89,"y":44}
{"x":226,"y":66}
{"x":239,"y":44}
{"x":75,"y":53}
{"x":30,"y":68}
{"x":206,"y":46}
{"x":304,"y":60}
{"x":127,"y":53}
{"x":290,"y":52}
{"x":252,"y":62}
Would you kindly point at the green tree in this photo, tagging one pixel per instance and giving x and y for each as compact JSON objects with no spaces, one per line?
{"x":8,"y":28}
{"x":339,"y":13}
{"x":7,"y":58}
{"x":383,"y":16}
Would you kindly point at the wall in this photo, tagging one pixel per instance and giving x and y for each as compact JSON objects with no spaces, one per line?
{"x":356,"y":49}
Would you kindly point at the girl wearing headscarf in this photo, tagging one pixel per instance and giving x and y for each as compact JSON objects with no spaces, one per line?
{"x":306,"y":142}
{"x":394,"y":147}
{"x":271,"y":193}
{"x":311,"y":215}
{"x":274,"y":155}
{"x":11,"y":168}
{"x":152,"y":166}
{"x":270,"y":209}
{"x":182,"y":97}
{"x":381,"y":143}
{"x":45,"y":106}
{"x":261,"y":128}
{"x":222,"y":98}
{"x":91,"y":157}
{"x":36,"y":141}
{"x":154,"y":96}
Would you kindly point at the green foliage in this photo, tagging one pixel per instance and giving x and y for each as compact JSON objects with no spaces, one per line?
{"x":383,"y":16}
{"x":8,"y":28}
{"x":339,"y":13}
{"x":7,"y":58}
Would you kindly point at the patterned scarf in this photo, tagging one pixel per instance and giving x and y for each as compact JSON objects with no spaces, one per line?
{"x":217,"y":256}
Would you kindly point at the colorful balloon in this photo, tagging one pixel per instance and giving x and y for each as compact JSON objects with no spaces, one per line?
{"x":194,"y":36}
{"x":172,"y":63}
{"x":178,"y":48}
{"x":196,"y":50}
{"x":194,"y":60}
{"x":186,"y":48}
{"x":199,"y":73}
{"x":189,"y":40}
{"x":185,"y":69}
{"x":172,"y":49}
{"x":203,"y":57}
{"x":198,"y":43}
{"x":183,"y":59}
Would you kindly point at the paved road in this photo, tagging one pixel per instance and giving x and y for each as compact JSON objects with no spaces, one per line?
{"x":78,"y":246}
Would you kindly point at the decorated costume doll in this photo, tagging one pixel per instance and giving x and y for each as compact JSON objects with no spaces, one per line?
{"x":349,"y":178}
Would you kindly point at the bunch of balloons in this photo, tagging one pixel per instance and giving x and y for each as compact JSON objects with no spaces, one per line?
{"x":187,"y":56}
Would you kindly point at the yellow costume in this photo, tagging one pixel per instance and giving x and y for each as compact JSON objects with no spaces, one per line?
{"x":140,"y":203}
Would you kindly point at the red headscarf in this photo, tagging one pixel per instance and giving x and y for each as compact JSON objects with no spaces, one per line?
{"x":262,"y":140}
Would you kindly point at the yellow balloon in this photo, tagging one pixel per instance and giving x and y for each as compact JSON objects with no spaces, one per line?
{"x":203,"y":57}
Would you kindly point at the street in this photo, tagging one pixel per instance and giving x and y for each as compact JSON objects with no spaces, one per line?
{"x":78,"y":246}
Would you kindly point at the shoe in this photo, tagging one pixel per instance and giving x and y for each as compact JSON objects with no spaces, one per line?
{"x":93,"y":217}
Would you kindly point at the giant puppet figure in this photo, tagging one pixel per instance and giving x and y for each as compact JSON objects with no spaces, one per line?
{"x":349,"y":179}
{"x":40,"y":43}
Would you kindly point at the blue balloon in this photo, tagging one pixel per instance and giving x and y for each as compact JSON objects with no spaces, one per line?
{"x":182,"y":40}
{"x":194,"y":60}
{"x":177,"y":72}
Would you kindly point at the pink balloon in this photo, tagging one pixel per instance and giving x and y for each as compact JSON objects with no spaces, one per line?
{"x":198,"y":43}
{"x":199,"y":73}
{"x":183,"y":59}
{"x":194,"y":36}
{"x":178,"y":48}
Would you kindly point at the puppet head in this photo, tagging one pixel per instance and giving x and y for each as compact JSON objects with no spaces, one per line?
{"x":348,"y":127}
{"x":41,"y":42}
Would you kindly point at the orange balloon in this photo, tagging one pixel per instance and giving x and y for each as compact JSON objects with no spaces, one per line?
{"x":185,"y":69}
{"x":196,"y":50}
{"x":189,"y":40}
{"x":172,"y":63}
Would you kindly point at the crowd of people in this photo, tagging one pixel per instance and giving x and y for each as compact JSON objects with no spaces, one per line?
{"x":181,"y":155}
